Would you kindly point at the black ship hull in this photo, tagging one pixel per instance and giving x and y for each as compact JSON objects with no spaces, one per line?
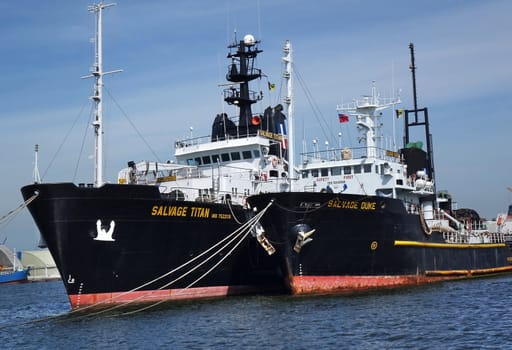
{"x":341,"y":243}
{"x":120,"y":243}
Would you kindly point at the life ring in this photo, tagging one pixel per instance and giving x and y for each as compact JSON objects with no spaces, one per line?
{"x":499,"y":222}
{"x":274,"y":162}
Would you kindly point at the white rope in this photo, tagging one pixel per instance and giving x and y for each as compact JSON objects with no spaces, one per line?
{"x":232,"y":213}
{"x":246,"y":227}
{"x":257,"y":217}
{"x":170,"y":283}
{"x":194,"y":282}
{"x":10,"y":215}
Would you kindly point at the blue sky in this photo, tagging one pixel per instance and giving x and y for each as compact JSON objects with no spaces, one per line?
{"x":173,"y":54}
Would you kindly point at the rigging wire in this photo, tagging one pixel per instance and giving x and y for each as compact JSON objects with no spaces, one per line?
{"x":316,"y":110}
{"x":64,"y":140}
{"x":83,"y":142}
{"x":133,"y":125}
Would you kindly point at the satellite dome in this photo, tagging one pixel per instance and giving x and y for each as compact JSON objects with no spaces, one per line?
{"x":249,"y":40}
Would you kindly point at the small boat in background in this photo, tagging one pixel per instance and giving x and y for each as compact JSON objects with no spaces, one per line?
{"x":11,"y":269}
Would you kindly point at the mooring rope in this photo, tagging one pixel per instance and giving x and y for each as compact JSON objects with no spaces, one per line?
{"x":194,"y":282}
{"x":232,"y":213}
{"x":253,"y":221}
{"x":247,"y":227}
{"x":117,"y":306}
{"x":12,"y":214}
{"x":244,"y":230}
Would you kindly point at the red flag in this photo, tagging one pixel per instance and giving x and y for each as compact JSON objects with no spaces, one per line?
{"x":343,"y":118}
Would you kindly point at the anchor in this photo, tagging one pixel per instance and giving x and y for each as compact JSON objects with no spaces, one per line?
{"x":303,"y":238}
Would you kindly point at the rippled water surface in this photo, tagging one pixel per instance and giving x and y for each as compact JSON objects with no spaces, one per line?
{"x":453,"y":315}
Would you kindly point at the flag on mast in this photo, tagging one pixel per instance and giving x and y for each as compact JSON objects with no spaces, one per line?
{"x":343,"y":118}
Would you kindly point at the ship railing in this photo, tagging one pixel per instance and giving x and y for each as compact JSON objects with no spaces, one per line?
{"x":346,"y":153}
{"x":474,"y":237}
{"x":206,"y":195}
{"x":230,"y":134}
{"x":476,"y":225}
{"x":367,"y":101}
{"x":194,"y":172}
{"x":232,"y":95}
{"x":235,"y":76}
{"x":152,"y":177}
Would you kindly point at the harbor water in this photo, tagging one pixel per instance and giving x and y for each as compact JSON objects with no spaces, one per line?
{"x":474,"y":314}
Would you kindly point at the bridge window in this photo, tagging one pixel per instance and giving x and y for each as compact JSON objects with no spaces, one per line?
{"x":235,"y":156}
{"x":225,"y":157}
{"x":215,"y":158}
{"x":357,"y":169}
{"x":367,"y":168}
{"x":314,"y":172}
{"x":197,"y":161}
{"x":324,"y":171}
{"x":347,"y":170}
{"x":256,"y":153}
{"x":304,"y":174}
{"x":246,"y":154}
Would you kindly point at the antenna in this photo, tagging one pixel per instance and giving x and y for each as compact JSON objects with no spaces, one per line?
{"x":413,"y":71}
{"x":97,"y":73}
{"x":36,"y":177}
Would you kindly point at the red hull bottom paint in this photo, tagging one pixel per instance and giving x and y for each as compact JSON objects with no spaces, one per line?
{"x":304,"y":285}
{"x":148,"y":296}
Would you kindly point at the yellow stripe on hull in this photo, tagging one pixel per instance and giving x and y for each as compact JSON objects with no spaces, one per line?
{"x":468,"y":272}
{"x":448,"y":245}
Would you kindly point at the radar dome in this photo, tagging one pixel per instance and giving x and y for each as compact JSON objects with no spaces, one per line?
{"x":249,"y":40}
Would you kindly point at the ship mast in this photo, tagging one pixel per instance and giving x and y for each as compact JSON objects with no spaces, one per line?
{"x":242,"y":71}
{"x":289,"y":102}
{"x":420,"y":119}
{"x":97,"y":73}
{"x":365,"y":110}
